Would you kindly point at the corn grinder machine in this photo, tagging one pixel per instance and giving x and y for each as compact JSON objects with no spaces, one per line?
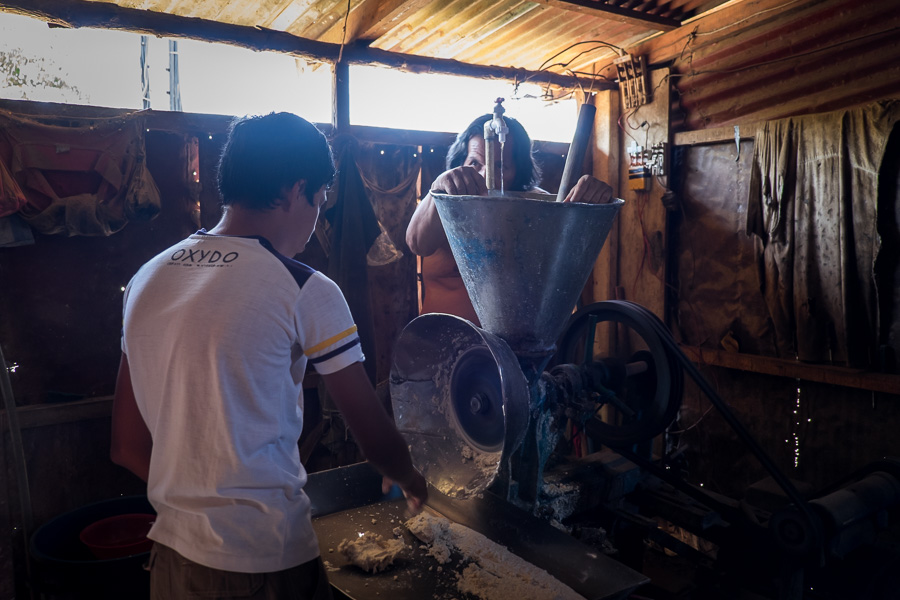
{"x":483,"y":408}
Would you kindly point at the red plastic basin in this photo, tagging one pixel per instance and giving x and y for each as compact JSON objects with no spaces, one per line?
{"x":118,"y":536}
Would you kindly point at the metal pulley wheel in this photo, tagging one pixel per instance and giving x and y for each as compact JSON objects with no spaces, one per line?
{"x":631,"y":340}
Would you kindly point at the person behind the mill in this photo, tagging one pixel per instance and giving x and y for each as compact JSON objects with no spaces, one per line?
{"x":442,"y":284}
{"x":217,"y":334}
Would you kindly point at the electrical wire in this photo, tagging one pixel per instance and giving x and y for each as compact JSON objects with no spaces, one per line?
{"x":600,"y":43}
{"x":580,"y":85}
{"x":545,"y":67}
{"x":344,"y":32}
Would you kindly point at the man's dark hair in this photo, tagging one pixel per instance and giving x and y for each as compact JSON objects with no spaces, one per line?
{"x":264,"y":155}
{"x":528,"y":173}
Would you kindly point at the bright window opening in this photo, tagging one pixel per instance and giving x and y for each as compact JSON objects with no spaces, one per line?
{"x":381,"y":97}
{"x":103,"y":68}
{"x":117,"y":69}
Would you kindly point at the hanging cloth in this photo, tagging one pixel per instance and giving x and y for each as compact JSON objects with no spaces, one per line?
{"x":87,"y":180}
{"x":354,"y":228}
{"x":813,"y":203}
{"x":11,"y":196}
{"x":392,"y":203}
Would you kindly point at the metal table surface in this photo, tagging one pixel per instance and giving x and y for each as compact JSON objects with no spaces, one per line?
{"x":348,"y":501}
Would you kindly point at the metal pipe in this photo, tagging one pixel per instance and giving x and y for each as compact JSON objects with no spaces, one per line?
{"x":577,"y":149}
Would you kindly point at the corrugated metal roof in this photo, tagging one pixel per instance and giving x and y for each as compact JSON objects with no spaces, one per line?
{"x":732,"y":61}
{"x":507,"y":33}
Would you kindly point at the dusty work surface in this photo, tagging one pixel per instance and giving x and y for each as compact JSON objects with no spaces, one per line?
{"x":413,"y":575}
{"x":348,"y":501}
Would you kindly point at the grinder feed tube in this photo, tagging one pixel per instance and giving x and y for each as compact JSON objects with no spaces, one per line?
{"x":575,"y":158}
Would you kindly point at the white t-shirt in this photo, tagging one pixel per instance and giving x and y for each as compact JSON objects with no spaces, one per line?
{"x":218,"y":331}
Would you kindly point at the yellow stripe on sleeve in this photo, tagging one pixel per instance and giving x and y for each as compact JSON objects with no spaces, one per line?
{"x":331,"y":340}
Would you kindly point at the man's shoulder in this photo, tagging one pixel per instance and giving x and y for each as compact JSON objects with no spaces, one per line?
{"x":301,"y":272}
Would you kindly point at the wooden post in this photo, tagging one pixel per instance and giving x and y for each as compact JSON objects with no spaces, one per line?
{"x":340,"y":114}
{"x":605,"y":153}
{"x":642,"y":220}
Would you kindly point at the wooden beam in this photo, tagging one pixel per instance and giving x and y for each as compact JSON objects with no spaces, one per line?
{"x":401,"y":137}
{"x":158,"y":120}
{"x":410,"y":137}
{"x":603,"y":10}
{"x":184,"y":122}
{"x":840,"y":376}
{"x":716,"y":134}
{"x":102,"y":15}
{"x":359,"y":54}
{"x":42,"y":415}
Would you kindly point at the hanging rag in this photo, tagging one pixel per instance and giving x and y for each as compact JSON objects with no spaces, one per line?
{"x":12,"y":199}
{"x":354,"y":228}
{"x":390,"y":203}
{"x":813,"y":203}
{"x":88,"y":180}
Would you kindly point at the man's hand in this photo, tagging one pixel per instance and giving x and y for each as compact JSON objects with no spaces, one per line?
{"x":460,"y":181}
{"x":590,"y":190}
{"x":375,"y":432}
{"x":415,"y":491}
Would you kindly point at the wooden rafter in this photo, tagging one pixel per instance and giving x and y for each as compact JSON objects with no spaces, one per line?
{"x":598,"y":8}
{"x":389,"y":14}
{"x":358,"y":21}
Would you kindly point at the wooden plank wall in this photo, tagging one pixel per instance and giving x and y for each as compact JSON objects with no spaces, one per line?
{"x":817,"y":422}
{"x":768,"y":59}
{"x":642,"y":220}
{"x":743,"y":64}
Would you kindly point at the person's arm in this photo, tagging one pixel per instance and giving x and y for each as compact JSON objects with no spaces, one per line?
{"x":425,"y":233}
{"x":131,"y":441}
{"x":590,"y":190}
{"x":374,"y":431}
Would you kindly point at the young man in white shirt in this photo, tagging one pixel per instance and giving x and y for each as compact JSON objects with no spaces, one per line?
{"x":218,"y":331}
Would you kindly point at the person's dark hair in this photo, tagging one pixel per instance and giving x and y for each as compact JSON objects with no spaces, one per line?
{"x":528,"y":173}
{"x":264,"y":155}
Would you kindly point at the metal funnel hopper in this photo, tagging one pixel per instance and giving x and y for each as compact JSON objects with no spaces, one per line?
{"x":524,"y":259}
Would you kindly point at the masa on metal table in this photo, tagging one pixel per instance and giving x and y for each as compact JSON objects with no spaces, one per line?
{"x":348,"y":501}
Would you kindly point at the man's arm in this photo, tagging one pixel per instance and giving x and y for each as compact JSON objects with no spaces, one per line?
{"x":131,"y":441}
{"x":425,"y":233}
{"x":374,"y":431}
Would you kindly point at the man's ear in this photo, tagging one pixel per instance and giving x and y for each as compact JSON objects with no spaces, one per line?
{"x":295,"y":193}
